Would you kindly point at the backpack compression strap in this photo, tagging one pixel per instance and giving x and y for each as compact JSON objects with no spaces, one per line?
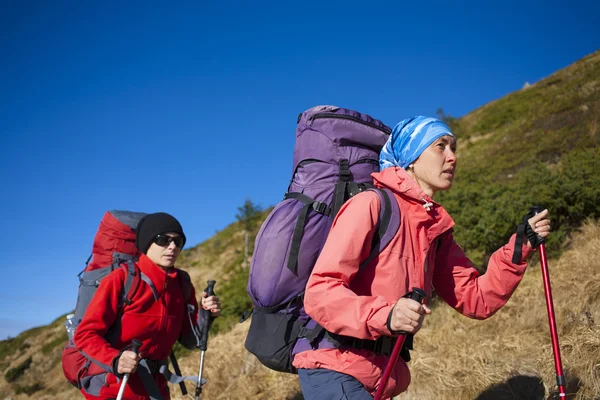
{"x":309,"y":204}
{"x":345,"y":187}
{"x":340,"y":187}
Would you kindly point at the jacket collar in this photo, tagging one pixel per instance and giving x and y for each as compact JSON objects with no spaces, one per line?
{"x":157,"y":274}
{"x":423,"y":209}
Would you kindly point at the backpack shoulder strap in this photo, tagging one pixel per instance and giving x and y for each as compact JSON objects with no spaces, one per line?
{"x":388,"y":224}
{"x":132,"y":282}
{"x":186,"y":284}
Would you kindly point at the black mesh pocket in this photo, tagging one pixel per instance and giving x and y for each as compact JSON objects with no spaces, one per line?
{"x":272,"y":337}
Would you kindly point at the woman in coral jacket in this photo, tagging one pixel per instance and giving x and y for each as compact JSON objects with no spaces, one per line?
{"x":417,"y":161}
{"x":158,"y":316}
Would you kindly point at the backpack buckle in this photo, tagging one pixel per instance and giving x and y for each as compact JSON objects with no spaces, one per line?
{"x":345,"y":174}
{"x":321,"y":207}
{"x":246,"y":314}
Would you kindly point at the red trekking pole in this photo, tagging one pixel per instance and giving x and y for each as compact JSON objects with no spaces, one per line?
{"x":417,"y":295}
{"x":560,"y":377}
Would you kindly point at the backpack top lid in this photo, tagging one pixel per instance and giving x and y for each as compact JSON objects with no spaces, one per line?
{"x":321,"y":126}
{"x":115,"y":239}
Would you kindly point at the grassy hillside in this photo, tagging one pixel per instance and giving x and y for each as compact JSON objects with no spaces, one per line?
{"x":537,"y":145}
{"x":540,"y":145}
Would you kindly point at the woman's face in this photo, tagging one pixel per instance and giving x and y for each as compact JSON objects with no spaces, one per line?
{"x":165,"y":249}
{"x":434,"y":169}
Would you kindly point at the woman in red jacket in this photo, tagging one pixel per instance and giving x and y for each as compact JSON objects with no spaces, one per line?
{"x":417,"y":161}
{"x":158,"y":316}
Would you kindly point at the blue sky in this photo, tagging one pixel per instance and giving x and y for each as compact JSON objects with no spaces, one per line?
{"x":191,"y":108}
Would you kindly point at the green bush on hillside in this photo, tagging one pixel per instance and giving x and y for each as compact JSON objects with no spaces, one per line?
{"x":234,"y":299}
{"x":28,"y":389}
{"x":487,"y":212}
{"x":15,"y":373}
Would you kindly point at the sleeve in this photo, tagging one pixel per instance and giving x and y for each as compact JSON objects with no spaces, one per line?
{"x":329,"y":299}
{"x":99,"y":316}
{"x":477,"y":296}
{"x":191,"y":330}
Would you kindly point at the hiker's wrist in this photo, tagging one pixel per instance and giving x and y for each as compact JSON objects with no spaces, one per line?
{"x":115,"y":366}
{"x":389,"y":323}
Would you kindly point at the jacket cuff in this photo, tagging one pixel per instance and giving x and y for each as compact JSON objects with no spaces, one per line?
{"x":389,"y":323}
{"x":379,"y":322}
{"x":115,"y":366}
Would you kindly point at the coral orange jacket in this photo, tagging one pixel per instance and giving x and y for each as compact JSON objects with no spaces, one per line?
{"x":423,"y":254}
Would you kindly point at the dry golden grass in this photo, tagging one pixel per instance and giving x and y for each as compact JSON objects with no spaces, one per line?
{"x":233,"y":373}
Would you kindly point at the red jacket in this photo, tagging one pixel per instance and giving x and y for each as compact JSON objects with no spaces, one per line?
{"x":422,"y":254}
{"x":158,"y":324}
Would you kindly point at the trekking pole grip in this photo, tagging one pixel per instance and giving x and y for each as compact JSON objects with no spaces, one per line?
{"x":417,"y":295}
{"x":135,"y":347}
{"x":206,"y":316}
{"x":535,"y":210}
{"x":210,"y":289}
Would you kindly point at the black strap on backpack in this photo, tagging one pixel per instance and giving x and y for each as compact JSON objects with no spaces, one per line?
{"x":346,"y":188}
{"x":341,"y":186}
{"x":309,"y":204}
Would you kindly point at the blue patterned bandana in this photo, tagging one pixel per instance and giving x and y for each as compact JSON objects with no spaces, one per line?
{"x":409,"y":139}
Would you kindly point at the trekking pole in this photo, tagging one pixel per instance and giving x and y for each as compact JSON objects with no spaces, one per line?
{"x":417,"y":295}
{"x":210,"y":291}
{"x":135,"y":347}
{"x":560,"y":377}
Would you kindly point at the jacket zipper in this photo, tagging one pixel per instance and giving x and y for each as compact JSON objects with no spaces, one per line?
{"x":351,"y":118}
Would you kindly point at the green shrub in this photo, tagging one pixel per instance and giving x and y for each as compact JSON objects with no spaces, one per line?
{"x":234,"y":298}
{"x":487,"y":212}
{"x":15,"y":373}
{"x":28,"y":389}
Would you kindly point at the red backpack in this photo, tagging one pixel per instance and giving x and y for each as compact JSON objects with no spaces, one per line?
{"x":114,"y":247}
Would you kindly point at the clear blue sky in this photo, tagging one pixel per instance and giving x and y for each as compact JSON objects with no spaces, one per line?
{"x":191,"y":108}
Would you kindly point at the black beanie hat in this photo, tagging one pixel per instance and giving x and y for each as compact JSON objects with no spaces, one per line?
{"x":152,"y":225}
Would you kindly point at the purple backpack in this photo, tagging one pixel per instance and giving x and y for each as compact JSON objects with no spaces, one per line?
{"x":335,"y":153}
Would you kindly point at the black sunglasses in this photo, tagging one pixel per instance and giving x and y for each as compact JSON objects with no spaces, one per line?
{"x":164,"y":240}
